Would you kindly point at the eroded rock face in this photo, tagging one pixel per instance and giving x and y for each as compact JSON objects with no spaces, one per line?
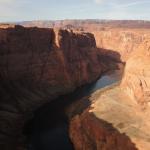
{"x":137,"y":74}
{"x":122,"y":36}
{"x":108,"y":124}
{"x":123,"y":41}
{"x":114,"y":120}
{"x":37,"y":65}
{"x":95,"y":134}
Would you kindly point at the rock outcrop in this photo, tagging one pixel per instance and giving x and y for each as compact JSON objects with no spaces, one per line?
{"x":112,"y":122}
{"x":36,"y":66}
{"x":136,"y":79}
{"x":121,"y":36}
{"x":117,"y":118}
{"x":123,"y":41}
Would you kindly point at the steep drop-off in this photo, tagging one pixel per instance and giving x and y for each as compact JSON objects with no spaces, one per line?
{"x":118,"y":116}
{"x":36,"y":66}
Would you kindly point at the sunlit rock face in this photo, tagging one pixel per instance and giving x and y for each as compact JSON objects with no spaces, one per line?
{"x":136,"y":79}
{"x":123,"y":41}
{"x":113,"y":121}
{"x":134,"y":48}
{"x":37,"y":65}
{"x":117,"y":118}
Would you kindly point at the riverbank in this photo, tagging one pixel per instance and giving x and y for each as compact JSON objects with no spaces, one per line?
{"x":49,"y":127}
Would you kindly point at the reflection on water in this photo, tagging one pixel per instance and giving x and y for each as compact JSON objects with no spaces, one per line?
{"x":48,"y":130}
{"x":107,"y":79}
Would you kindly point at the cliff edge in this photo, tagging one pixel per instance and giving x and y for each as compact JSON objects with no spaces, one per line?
{"x":117,"y":117}
{"x":36,"y":66}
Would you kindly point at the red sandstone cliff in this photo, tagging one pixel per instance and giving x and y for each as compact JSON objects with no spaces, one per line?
{"x":121,"y":36}
{"x":117,"y":117}
{"x":36,"y":65}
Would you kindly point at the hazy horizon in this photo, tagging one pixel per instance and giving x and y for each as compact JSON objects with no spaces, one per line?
{"x":29,"y":10}
{"x":21,"y":21}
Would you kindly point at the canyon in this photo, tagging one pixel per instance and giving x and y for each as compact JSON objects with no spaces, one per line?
{"x":117,"y":117}
{"x":37,"y":65}
{"x":40,"y":64}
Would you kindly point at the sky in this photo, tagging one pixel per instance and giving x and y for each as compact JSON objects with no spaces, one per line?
{"x":24,"y":10}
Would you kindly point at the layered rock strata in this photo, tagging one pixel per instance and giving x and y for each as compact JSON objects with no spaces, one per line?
{"x":122,"y":36}
{"x":36,"y":66}
{"x":136,"y":79}
{"x":117,"y":117}
{"x":121,"y":40}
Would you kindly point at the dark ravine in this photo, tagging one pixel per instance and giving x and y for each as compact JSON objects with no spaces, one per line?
{"x":49,"y":127}
{"x":36,"y":66}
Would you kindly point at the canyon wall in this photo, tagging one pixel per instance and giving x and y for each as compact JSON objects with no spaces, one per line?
{"x":136,"y":79}
{"x":121,"y":36}
{"x":39,"y":64}
{"x":117,"y":117}
{"x":123,"y":41}
{"x":36,"y":66}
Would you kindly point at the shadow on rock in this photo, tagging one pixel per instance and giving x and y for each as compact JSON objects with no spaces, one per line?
{"x":91,"y":133}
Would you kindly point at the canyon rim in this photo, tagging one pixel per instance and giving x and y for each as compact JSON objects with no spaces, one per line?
{"x":74,"y":83}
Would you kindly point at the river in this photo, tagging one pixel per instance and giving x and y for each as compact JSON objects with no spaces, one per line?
{"x":48,"y":130}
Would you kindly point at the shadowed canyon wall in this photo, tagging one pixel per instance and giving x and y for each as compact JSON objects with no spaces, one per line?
{"x":37,"y":65}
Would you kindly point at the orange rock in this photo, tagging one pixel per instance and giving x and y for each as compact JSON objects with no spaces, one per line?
{"x":137,"y":74}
